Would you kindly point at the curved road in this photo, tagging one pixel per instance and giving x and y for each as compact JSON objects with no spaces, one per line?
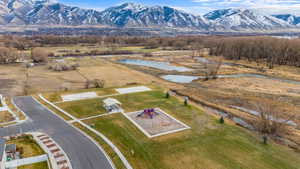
{"x":82,"y":152}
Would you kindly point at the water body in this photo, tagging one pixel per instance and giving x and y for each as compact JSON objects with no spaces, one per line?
{"x":180,"y":78}
{"x":155,"y":64}
{"x":189,"y":79}
{"x":241,"y":122}
{"x":204,"y":60}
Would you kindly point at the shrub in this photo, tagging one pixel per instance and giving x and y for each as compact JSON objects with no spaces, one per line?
{"x":39,"y":55}
{"x":222,"y":120}
{"x":96,"y":83}
{"x":64,"y":66}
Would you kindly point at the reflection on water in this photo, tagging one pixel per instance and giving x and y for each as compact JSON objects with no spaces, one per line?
{"x":154,"y":64}
{"x":180,"y":78}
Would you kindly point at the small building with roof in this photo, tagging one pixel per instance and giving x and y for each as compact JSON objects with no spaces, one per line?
{"x":112,"y":105}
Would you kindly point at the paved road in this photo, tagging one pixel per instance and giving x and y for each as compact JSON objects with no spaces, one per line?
{"x":82,"y":152}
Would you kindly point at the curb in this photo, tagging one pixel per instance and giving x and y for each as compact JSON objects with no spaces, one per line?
{"x":86,"y":135}
{"x":116,"y":150}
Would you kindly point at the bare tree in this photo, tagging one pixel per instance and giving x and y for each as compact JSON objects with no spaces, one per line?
{"x":99,"y":83}
{"x":269,"y":122}
{"x":96,"y":83}
{"x":8,"y":55}
{"x":211,"y":69}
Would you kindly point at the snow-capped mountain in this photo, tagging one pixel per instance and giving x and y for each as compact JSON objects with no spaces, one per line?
{"x":130,"y":14}
{"x":244,"y":19}
{"x":49,"y":12}
{"x":44,"y":12}
{"x":291,"y":19}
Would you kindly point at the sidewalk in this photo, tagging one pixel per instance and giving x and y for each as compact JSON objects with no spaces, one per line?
{"x":58,"y":158}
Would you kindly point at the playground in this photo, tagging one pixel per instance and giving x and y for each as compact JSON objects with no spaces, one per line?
{"x":142,"y":134}
{"x":155,"y":122}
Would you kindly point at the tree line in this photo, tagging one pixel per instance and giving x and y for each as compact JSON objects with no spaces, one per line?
{"x":268,"y":50}
{"x":258,"y":49}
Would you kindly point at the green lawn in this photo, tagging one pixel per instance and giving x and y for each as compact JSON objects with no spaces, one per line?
{"x":93,"y":107}
{"x":208,"y":145}
{"x":29,"y":146}
{"x":41,"y":165}
{"x":83,"y":108}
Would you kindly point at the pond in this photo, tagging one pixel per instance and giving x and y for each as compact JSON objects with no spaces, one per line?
{"x":155,"y":64}
{"x":180,"y":78}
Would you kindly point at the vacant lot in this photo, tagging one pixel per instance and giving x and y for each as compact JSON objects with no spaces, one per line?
{"x":257,"y":85}
{"x":5,"y":116}
{"x":29,"y":147}
{"x":207,"y":145}
{"x":41,"y":79}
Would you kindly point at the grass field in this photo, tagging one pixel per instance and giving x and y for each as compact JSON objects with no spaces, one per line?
{"x":29,"y":146}
{"x":139,"y":49}
{"x":91,"y":107}
{"x":41,"y":165}
{"x":81,"y":49}
{"x":84,"y":108}
{"x":207,"y":145}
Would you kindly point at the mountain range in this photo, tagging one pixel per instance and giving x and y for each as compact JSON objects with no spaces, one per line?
{"x":45,"y":13}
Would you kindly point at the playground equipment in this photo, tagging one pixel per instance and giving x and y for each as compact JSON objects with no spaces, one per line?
{"x":148,"y":113}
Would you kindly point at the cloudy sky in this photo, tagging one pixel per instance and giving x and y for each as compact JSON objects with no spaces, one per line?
{"x":200,"y":6}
